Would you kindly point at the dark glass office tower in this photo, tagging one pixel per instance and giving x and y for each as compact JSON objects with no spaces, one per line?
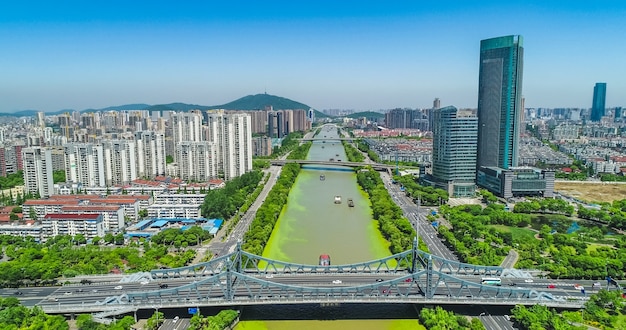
{"x":599,"y":102}
{"x":499,"y":101}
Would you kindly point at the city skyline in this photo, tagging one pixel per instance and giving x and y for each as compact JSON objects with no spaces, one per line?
{"x":328,"y":55}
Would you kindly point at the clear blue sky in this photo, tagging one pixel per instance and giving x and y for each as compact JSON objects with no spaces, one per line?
{"x":361,"y":55}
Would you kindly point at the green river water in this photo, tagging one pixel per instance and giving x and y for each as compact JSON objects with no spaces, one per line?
{"x":312,"y":224}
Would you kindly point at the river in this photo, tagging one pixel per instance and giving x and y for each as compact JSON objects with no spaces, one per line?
{"x":312,"y":224}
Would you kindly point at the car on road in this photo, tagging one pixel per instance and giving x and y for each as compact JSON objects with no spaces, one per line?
{"x":163,"y":286}
{"x":269,"y":276}
{"x":53,"y":299}
{"x":551,"y":286}
{"x":379,"y":280}
{"x":17,"y":293}
{"x":512,"y":284}
{"x":528,"y":280}
{"x":85,"y":281}
{"x":94,"y":290}
{"x":337,"y":282}
{"x":175,"y":319}
{"x":67,"y":293}
{"x":119,"y":287}
{"x":409,"y":280}
{"x":144,"y":282}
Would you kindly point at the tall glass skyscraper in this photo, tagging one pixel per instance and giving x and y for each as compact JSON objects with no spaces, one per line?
{"x":499,"y":101}
{"x":599,"y":102}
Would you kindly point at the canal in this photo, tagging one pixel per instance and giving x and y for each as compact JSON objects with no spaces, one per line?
{"x":313,"y":224}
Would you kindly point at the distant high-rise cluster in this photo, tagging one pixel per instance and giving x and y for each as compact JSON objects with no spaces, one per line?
{"x":115,"y":148}
{"x":407,"y":118}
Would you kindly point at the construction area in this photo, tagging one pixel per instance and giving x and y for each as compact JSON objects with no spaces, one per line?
{"x":592,"y":191}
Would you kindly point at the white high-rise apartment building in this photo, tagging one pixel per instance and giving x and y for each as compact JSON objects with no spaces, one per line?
{"x":233,"y":135}
{"x":197,"y":160}
{"x":150,"y":154}
{"x":187,"y":126}
{"x":84,"y":163}
{"x":38,"y":176}
{"x":120,"y":161}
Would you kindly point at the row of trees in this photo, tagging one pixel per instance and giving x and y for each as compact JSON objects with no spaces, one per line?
{"x":439,"y":318}
{"x":353,"y":154}
{"x":427,"y":195}
{"x":545,"y":205}
{"x":604,"y":309}
{"x":179,"y":238}
{"x":15,"y":316}
{"x":224,"y":203}
{"x":613,"y":215}
{"x":391,"y":221}
{"x":86,"y":322}
{"x":33,"y":263}
{"x":364,"y":147}
{"x":262,"y":226}
{"x":223,"y":320}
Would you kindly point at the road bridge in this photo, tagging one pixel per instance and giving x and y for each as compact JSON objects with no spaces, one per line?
{"x":241,"y":278}
{"x":334,"y":162}
{"x":317,"y":138}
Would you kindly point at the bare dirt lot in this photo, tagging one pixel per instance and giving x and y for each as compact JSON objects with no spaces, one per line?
{"x":592,"y":191}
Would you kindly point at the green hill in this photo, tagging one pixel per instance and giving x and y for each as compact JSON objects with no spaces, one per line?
{"x":261,"y":101}
{"x":250,"y":102}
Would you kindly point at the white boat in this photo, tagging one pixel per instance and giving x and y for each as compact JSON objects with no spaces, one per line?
{"x":337,"y":199}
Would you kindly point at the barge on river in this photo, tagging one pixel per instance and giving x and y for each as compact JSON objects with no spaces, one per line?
{"x":324,"y":260}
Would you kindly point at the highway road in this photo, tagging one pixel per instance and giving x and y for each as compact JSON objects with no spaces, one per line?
{"x":496,"y":322}
{"x":178,"y":324}
{"x":417,"y":217}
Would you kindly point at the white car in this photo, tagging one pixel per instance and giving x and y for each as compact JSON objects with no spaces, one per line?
{"x":144,"y":282}
{"x":528,"y":280}
{"x":337,"y":282}
{"x":269,"y":276}
{"x":175,"y":319}
{"x":119,"y":287}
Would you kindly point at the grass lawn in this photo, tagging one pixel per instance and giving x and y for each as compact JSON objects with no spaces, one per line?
{"x":519,"y":234}
{"x":592,"y":247}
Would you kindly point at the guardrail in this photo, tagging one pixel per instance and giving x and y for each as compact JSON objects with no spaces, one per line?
{"x":263,"y":300}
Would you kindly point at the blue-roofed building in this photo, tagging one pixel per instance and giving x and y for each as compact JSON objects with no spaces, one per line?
{"x":159,"y":224}
{"x":139,"y":234}
{"x":143,"y":224}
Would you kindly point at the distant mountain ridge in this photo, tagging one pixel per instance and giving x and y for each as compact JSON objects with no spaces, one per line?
{"x":249,"y":102}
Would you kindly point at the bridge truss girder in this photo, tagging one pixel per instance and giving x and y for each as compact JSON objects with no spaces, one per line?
{"x":237,"y":287}
{"x":398,"y":263}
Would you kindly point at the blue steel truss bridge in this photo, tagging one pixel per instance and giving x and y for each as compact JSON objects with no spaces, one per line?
{"x":241,"y":279}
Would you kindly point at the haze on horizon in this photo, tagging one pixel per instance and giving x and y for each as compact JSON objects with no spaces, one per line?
{"x":327,"y":54}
